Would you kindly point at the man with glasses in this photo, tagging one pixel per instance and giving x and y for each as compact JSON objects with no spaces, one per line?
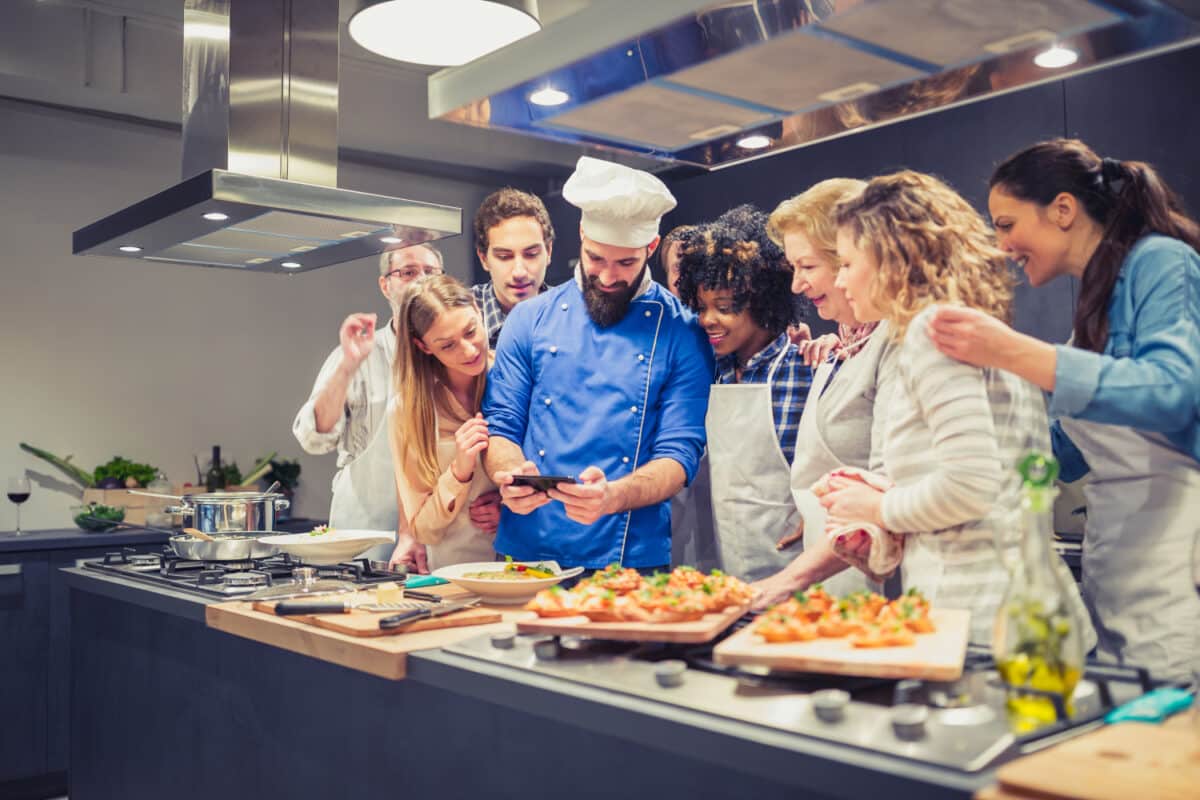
{"x":347,"y":410}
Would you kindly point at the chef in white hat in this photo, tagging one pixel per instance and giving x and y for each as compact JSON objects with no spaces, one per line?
{"x":604,"y":378}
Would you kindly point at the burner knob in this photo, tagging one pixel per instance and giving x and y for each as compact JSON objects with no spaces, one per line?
{"x":830,"y":704}
{"x":908,"y":721}
{"x":669,"y":673}
{"x":503,"y":641}
{"x":304,"y":575}
{"x":546,"y":649}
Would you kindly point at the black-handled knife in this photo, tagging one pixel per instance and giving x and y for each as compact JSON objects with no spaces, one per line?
{"x":406,"y":617}
{"x":289,"y":608}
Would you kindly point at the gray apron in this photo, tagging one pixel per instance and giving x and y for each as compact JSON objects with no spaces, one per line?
{"x":751,"y":479}
{"x":364,"y":492}
{"x":1138,"y":547}
{"x":693,"y":540}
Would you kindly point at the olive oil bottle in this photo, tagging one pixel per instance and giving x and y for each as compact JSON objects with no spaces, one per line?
{"x":1038,"y":638}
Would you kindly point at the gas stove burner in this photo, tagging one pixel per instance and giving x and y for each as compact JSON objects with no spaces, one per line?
{"x":229,"y":566}
{"x":145,"y":560}
{"x":246,"y":580}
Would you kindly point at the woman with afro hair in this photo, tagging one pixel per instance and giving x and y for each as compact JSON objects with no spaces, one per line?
{"x":739,"y":283}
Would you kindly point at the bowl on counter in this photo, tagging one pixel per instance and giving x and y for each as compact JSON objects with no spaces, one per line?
{"x":331,"y":547}
{"x":503,"y":591}
{"x":97,"y":519}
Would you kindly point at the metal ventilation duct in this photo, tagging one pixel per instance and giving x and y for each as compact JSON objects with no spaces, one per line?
{"x":713,"y":84}
{"x":260,"y":105}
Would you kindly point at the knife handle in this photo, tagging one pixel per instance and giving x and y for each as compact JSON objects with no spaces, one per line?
{"x":285,"y":608}
{"x":403,"y":618}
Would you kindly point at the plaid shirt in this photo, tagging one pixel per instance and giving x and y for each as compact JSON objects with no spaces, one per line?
{"x":493,"y":313}
{"x":789,"y":390}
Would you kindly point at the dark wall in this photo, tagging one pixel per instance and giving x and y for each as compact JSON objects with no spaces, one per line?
{"x":1147,"y":110}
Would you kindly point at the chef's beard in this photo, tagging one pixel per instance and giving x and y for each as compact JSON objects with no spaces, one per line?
{"x":608,"y":308}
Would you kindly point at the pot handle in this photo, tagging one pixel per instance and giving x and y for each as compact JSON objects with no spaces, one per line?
{"x":282,"y":503}
{"x":185,"y":510}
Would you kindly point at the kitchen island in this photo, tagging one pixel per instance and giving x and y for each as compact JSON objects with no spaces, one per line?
{"x":164,"y":706}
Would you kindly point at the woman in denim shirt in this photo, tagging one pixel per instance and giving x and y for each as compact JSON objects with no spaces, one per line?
{"x":1126,"y":389}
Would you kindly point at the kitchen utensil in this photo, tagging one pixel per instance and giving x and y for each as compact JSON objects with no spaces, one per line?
{"x":199,"y":534}
{"x":305,"y":584}
{"x":333,"y":605}
{"x":328,"y":548}
{"x":271,"y":489}
{"x":500,"y":591}
{"x":231,"y":512}
{"x":222,"y":547}
{"x":160,"y":495}
{"x":406,"y":617}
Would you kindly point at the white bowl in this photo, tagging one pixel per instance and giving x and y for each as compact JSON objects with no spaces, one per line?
{"x":328,"y":548}
{"x":499,"y":591}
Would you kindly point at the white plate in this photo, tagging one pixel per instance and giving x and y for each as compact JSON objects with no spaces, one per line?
{"x":328,"y":548}
{"x":494,"y":590}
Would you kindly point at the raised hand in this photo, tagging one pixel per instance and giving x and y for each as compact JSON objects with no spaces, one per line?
{"x":357,"y":337}
{"x":470,"y":440}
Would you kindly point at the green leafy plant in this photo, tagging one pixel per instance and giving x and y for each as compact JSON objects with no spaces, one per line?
{"x":286,"y":472}
{"x":85,"y":479}
{"x":122,"y":469}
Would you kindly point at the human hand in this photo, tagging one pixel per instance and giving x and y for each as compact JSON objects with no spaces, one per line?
{"x":485,"y":512}
{"x":798,"y":333}
{"x":587,"y":500}
{"x":851,"y":501}
{"x":773,"y":590}
{"x":519,"y":499}
{"x":357,"y":337}
{"x":970,"y":335}
{"x":410,"y":554}
{"x":470,"y":440}
{"x":815,"y":351}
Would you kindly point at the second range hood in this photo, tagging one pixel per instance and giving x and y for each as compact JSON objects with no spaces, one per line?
{"x":712,"y":84}
{"x":260,"y":189}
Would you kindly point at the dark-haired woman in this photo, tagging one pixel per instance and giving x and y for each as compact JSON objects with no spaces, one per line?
{"x":739,"y":283}
{"x":1125,"y":391}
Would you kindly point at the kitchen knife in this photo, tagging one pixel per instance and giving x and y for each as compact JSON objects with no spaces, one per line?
{"x":398,"y":620}
{"x":288,"y":608}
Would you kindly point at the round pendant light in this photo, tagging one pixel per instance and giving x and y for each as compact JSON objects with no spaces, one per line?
{"x":442,"y":33}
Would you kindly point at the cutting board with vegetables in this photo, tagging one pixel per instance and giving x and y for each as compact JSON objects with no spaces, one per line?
{"x":935,"y":656}
{"x":1118,"y":762}
{"x":366,"y":623}
{"x":698,"y":631}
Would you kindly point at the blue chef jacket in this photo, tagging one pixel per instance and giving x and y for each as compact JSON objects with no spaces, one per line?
{"x":572,"y":394}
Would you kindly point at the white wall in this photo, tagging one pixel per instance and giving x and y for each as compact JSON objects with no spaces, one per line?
{"x":101,"y":356}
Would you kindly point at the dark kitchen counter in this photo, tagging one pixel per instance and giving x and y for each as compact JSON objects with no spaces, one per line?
{"x":150,"y":682}
{"x":75,"y":538}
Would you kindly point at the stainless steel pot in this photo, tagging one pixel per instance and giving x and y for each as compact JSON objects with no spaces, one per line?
{"x":230,"y":512}
{"x":231,"y":547}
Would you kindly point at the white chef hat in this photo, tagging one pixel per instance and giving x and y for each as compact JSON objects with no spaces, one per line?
{"x":621,"y":206}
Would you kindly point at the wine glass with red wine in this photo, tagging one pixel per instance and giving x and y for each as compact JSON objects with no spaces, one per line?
{"x":18,"y":492}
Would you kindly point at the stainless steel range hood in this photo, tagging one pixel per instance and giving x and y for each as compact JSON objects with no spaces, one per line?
{"x":260,"y":106}
{"x":712,"y":84}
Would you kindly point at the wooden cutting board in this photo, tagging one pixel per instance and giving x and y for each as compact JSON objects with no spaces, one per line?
{"x":1118,"y":762}
{"x":935,"y":656}
{"x":702,"y":630}
{"x":366,"y":623}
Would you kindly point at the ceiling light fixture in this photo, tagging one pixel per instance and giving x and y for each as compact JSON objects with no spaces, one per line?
{"x":216,"y":216}
{"x":1056,"y":57}
{"x":130,"y":248}
{"x":549,"y":96}
{"x":754,"y":142}
{"x":443,"y":33}
{"x":291,"y":265}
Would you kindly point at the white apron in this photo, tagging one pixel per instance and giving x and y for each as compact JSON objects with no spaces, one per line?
{"x":751,"y":479}
{"x":364,"y":493}
{"x":1138,"y":547}
{"x":462,"y":542}
{"x":693,"y":539}
{"x":813,"y":461}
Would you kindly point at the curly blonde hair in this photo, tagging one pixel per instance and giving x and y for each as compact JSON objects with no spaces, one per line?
{"x":931,"y":246}
{"x":811,"y":213}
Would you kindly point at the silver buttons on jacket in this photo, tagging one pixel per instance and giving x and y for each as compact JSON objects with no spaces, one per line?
{"x":541,"y":452}
{"x":641,"y":357}
{"x":553,"y":348}
{"x":548,"y":401}
{"x":624,"y":459}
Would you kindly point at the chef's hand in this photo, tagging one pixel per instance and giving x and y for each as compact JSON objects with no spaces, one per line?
{"x":357,"y":336}
{"x":410,"y":554}
{"x":588,"y":500}
{"x":519,"y":499}
{"x":774,"y":590}
{"x":470,"y":440}
{"x":970,"y":336}
{"x":851,"y":501}
{"x":485,"y":512}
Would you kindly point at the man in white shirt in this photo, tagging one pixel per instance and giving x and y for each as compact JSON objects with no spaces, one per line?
{"x":348,"y":408}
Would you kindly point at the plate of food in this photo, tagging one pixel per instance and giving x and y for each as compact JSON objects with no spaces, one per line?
{"x":506,"y":582}
{"x":325,"y":545}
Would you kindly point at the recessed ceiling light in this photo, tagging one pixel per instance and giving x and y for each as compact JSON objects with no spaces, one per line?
{"x":1056,"y":57}
{"x":549,"y":96}
{"x":130,"y":248}
{"x":441,"y":32}
{"x":291,"y":265}
{"x":754,"y":142}
{"x":216,"y":216}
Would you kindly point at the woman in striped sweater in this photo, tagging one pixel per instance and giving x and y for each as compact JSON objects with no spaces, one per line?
{"x":954,"y":432}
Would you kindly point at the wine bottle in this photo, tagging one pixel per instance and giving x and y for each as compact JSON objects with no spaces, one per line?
{"x":214,"y":480}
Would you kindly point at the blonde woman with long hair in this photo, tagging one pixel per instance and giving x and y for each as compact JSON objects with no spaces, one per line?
{"x":954,"y":433}
{"x":437,"y":432}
